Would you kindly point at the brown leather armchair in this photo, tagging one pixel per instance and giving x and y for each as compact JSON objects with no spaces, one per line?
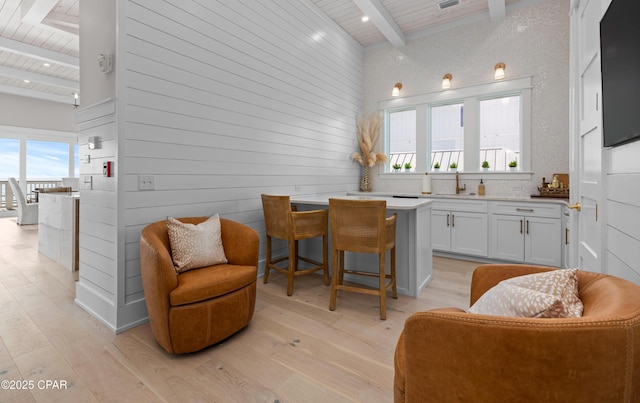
{"x":448,"y":355}
{"x":199,"y":307}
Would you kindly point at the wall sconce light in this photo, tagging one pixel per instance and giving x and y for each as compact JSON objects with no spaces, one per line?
{"x":75,"y":99}
{"x":446,"y":81}
{"x":396,"y":90}
{"x":499,"y":74}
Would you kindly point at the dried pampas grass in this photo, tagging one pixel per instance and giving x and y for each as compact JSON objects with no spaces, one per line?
{"x":368,"y":133}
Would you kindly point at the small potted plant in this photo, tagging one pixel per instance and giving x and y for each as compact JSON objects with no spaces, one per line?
{"x":396,"y":167}
{"x":453,"y":166}
{"x":485,"y":165}
{"x":407,"y":166}
{"x":436,"y":166}
{"x":513,"y":165}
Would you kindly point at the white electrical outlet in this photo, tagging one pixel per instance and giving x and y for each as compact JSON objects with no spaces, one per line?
{"x":146,"y":182}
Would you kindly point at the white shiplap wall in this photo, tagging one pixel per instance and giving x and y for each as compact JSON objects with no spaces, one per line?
{"x":221,"y":101}
{"x":623,"y":212}
{"x":96,"y":289}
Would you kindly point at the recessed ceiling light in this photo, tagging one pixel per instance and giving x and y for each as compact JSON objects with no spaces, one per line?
{"x":365,"y":18}
{"x":46,"y":65}
{"x":27,"y":81}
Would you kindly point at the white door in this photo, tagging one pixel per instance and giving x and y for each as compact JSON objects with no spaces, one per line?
{"x":587,"y":152}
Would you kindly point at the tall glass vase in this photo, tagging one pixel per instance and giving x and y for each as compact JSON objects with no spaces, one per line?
{"x":365,"y":183}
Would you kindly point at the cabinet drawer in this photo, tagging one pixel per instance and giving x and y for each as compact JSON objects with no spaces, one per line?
{"x":472,"y":206}
{"x":528,"y":209}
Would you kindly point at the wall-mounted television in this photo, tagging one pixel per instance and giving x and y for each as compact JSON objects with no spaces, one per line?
{"x":620,"y":66}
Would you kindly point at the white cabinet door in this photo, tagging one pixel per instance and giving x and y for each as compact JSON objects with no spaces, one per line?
{"x":440,"y":230}
{"x":469,"y":233}
{"x":507,"y":237}
{"x":534,"y":240}
{"x":543,"y":241}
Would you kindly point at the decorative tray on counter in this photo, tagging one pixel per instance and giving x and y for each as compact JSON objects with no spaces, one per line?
{"x":548,"y":190}
{"x":551,"y":192}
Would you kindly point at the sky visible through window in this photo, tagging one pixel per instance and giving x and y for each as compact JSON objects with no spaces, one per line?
{"x":44,"y":159}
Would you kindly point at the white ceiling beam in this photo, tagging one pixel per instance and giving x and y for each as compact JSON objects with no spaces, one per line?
{"x":63,"y":22}
{"x":39,"y":78}
{"x":36,"y":10}
{"x":381,"y":18}
{"x":6,"y":89}
{"x":497,"y":10}
{"x":38,"y":53}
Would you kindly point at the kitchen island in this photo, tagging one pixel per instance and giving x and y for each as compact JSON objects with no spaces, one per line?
{"x":58,"y":227}
{"x":413,"y":240}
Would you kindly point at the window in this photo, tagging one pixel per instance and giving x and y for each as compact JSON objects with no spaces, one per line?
{"x":500,"y":131}
{"x":9,"y":158}
{"x":447,"y":136}
{"x":466,"y":126}
{"x":46,"y":160}
{"x":401,"y":126}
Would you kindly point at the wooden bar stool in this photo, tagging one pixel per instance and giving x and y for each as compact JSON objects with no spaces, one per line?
{"x":362,"y":226}
{"x":283,"y":222}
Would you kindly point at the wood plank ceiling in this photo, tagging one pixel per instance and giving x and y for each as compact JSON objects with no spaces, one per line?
{"x":39,"y":45}
{"x":39,"y":49}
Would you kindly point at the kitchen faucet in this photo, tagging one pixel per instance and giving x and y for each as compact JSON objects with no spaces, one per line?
{"x":458,"y":188}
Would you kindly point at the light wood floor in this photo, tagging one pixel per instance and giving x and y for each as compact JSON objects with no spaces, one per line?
{"x":294,"y":349}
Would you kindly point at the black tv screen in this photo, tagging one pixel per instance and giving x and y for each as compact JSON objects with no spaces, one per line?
{"x":620,"y":64}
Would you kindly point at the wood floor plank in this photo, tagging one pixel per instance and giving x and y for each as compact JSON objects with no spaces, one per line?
{"x":46,"y":365}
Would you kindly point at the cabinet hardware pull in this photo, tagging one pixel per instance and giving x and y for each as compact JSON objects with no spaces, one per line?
{"x":524,"y":209}
{"x":596,"y":212}
{"x":527,"y":227}
{"x":566,"y":236}
{"x":521,"y":226}
{"x":447,"y":220}
{"x":453,"y":220}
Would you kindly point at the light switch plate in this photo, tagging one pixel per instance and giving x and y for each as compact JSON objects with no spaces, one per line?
{"x":87,"y":182}
{"x":146,"y":182}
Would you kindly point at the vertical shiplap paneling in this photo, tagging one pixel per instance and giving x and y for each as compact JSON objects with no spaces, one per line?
{"x":226,"y":100}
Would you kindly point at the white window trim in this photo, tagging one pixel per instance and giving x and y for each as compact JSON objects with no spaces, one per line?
{"x":423,"y":102}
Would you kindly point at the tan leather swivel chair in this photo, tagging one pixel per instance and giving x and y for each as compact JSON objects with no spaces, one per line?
{"x":199,"y":307}
{"x":448,"y":355}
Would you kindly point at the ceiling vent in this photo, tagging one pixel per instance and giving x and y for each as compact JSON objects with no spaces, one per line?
{"x":448,"y":3}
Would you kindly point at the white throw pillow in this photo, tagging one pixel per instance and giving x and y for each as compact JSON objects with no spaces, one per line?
{"x":194,"y":246}
{"x":552,"y":294}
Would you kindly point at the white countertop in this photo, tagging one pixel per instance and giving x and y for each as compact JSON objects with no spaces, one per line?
{"x":60,"y":194}
{"x":393,"y":203}
{"x":463,"y":196}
